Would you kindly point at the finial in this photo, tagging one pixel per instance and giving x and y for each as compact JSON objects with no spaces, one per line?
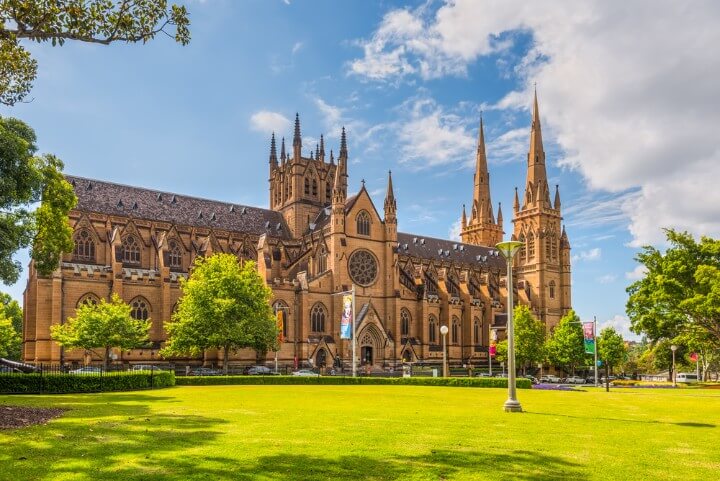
{"x":297,"y":138}
{"x":343,"y":142}
{"x":332,"y":157}
{"x":282,"y":150}
{"x":273,"y":151}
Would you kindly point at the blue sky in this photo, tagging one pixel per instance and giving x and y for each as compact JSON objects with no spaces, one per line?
{"x":627,"y":112}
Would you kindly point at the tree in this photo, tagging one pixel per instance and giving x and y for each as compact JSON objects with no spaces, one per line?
{"x":9,"y":338}
{"x":224,"y":306}
{"x":10,"y":310}
{"x":611,"y":348}
{"x":94,"y":21}
{"x":106,"y":325}
{"x":565,"y":347}
{"x":529,"y":338}
{"x":681,"y":290}
{"x":25,"y":179}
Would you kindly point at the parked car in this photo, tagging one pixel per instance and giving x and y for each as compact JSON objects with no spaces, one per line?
{"x":550,"y":379}
{"x":205,"y":371}
{"x":575,"y":380}
{"x":259,"y":371}
{"x":610,"y":378}
{"x":87,"y":371}
{"x":686,"y":377}
{"x":145,"y":367}
{"x":483,"y":374}
{"x":533,"y":379}
{"x":305,"y":373}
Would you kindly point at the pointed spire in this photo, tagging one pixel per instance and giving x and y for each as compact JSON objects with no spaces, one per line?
{"x":499,"y":216}
{"x":390,"y":203}
{"x":463,"y":220}
{"x":339,"y":183}
{"x":343,"y":144}
{"x":557,"y":197}
{"x":332,"y":158}
{"x":297,"y":140}
{"x":317,"y":151}
{"x":322,"y":148}
{"x":516,"y":203}
{"x":311,"y":155}
{"x":536,"y":154}
{"x":283,"y":156}
{"x":481,"y":192}
{"x":273,"y":151}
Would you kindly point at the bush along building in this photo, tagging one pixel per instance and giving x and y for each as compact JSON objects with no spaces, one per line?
{"x":312,"y":243}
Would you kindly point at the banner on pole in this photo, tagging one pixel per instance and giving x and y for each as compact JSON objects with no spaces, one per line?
{"x":493,"y":349}
{"x":347,"y":317}
{"x":589,"y":337}
{"x":693,"y":356}
{"x":280,"y":315}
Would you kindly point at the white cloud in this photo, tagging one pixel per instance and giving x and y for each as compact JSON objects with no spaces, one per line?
{"x":296,"y":48}
{"x":637,"y":273}
{"x":267,"y":122}
{"x":627,"y":90}
{"x":429,"y":135}
{"x":621,"y":324}
{"x":455,"y":230}
{"x":607,"y":279}
{"x":589,"y":255}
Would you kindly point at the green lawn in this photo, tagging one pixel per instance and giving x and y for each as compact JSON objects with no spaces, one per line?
{"x":367,"y":433}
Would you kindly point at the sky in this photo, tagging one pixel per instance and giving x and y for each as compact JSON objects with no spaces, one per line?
{"x":627,"y":90}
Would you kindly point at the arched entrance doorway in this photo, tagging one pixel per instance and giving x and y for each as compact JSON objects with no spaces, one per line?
{"x":321,"y":358}
{"x":371,"y":346}
{"x":407,"y":355}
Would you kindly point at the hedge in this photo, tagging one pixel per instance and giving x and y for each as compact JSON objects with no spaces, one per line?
{"x":70,"y":383}
{"x":335,"y":380}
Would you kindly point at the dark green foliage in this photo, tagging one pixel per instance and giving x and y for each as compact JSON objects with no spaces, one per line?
{"x":337,"y":380}
{"x":69,"y":383}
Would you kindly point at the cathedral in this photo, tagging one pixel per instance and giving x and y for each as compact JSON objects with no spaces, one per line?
{"x":314,"y":242}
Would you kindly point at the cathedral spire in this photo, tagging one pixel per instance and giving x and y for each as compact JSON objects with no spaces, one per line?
{"x":557,"y":197}
{"x":516,"y":202}
{"x":297,"y":139}
{"x":322,"y":148}
{"x":273,"y":152}
{"x":481,"y":193}
{"x":332,"y":157}
{"x":283,"y":156}
{"x":343,"y":145}
{"x":463,"y":220}
{"x":499,"y":216}
{"x":339,"y":184}
{"x":536,"y":154}
{"x":390,"y":203}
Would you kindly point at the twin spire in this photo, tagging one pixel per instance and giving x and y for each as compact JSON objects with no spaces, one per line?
{"x":317,"y":154}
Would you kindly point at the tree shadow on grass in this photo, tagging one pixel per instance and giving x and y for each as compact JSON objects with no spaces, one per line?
{"x":652,"y":421}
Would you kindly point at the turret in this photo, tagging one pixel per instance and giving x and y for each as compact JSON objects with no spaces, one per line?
{"x":273,"y":153}
{"x":283,"y":155}
{"x":321,"y":151}
{"x":297,"y":140}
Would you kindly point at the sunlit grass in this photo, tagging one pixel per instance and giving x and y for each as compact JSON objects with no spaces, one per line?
{"x":367,"y":432}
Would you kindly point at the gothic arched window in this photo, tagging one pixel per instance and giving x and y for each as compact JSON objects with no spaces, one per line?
{"x":321,"y":261}
{"x":307,"y":186}
{"x":553,"y":247}
{"x":363,"y":223}
{"x":476,"y":331}
{"x":84,"y":246}
{"x":328,"y":191}
{"x":174,"y":254}
{"x":314,"y":188}
{"x":551,"y":288}
{"x":455,"y":330}
{"x":279,"y":306}
{"x":432,"y":330}
{"x":131,"y":250}
{"x":548,"y":248}
{"x":317,"y":318}
{"x":88,"y":300}
{"x":523,"y":248}
{"x":531,"y":246}
{"x":404,"y":322}
{"x":140,"y":309}
{"x":452,"y":285}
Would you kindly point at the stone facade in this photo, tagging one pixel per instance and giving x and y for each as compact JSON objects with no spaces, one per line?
{"x":313,"y":243}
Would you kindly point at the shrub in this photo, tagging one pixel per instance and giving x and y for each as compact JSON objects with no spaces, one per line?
{"x":336,"y":380}
{"x":69,"y":383}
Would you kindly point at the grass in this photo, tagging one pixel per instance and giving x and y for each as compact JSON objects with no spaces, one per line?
{"x":367,"y":433}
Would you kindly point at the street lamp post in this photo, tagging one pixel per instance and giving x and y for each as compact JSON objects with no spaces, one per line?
{"x":444,"y":331}
{"x":673,"y":348}
{"x":508,"y":250}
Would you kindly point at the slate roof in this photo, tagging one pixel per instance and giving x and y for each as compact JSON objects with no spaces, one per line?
{"x":446,"y":250}
{"x":141,"y":203}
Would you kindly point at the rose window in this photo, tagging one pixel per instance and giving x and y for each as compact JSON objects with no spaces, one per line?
{"x":363,"y":267}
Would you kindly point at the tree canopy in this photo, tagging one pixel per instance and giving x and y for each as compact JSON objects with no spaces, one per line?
{"x":94,"y":21}
{"x":105,"y":325}
{"x":611,"y":347}
{"x":529,"y":337}
{"x":680,"y":292}
{"x":25,"y":179}
{"x":10,"y":339}
{"x":565,"y":345}
{"x":224,"y":306}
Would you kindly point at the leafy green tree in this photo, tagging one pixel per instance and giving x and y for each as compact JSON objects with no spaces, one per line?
{"x":611,"y":348}
{"x":104,"y":326}
{"x":25,"y":179}
{"x":10,"y":310}
{"x":529,"y":338}
{"x":94,"y":21}
{"x":224,"y":306}
{"x":700,"y":342}
{"x":681,"y":290}
{"x":9,"y":338}
{"x":565,"y":346}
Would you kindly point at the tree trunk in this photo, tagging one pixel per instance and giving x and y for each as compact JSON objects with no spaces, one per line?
{"x":226,"y":355}
{"x":106,"y":358}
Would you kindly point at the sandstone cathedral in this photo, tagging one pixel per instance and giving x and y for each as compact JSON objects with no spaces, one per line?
{"x":313,"y":242}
